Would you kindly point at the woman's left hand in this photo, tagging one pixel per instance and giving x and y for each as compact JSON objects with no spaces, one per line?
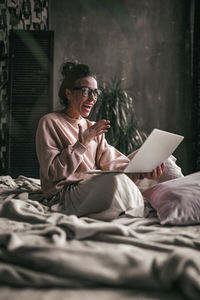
{"x":155,"y":174}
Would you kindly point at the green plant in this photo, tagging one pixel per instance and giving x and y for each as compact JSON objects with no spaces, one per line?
{"x":116,"y":105}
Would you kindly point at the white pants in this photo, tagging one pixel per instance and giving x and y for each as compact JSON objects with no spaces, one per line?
{"x":103,"y":197}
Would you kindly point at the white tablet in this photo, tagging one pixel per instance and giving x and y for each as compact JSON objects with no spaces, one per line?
{"x":155,"y":150}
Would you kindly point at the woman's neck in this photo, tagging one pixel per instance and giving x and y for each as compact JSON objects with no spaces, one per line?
{"x":71,"y":114}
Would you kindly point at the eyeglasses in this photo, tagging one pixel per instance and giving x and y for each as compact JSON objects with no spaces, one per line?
{"x":87,"y":92}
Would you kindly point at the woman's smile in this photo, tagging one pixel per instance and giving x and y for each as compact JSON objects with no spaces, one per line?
{"x":87,"y":107}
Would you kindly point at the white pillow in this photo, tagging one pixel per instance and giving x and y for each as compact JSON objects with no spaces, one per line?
{"x":176,"y":201}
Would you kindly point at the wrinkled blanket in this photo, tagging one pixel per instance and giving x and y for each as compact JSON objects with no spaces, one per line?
{"x":40,"y":248}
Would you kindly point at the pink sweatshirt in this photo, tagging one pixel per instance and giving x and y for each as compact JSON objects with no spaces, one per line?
{"x":63,"y":159}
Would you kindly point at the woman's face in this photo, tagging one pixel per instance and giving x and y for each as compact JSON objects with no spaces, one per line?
{"x":80,"y":102}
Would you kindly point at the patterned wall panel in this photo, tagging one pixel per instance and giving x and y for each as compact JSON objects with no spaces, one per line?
{"x":196,"y":88}
{"x":15,"y":14}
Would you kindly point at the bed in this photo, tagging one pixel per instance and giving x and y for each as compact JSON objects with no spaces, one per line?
{"x":49,"y":255}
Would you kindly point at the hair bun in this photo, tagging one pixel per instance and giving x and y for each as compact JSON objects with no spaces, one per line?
{"x":67,"y":66}
{"x":75,"y":69}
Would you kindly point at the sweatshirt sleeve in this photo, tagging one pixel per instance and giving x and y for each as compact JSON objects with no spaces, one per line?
{"x":56,"y":161}
{"x":109,"y":158}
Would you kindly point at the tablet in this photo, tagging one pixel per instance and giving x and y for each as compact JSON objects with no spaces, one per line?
{"x":155,"y":150}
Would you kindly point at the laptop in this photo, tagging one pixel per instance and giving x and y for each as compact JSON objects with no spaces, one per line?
{"x":155,"y":150}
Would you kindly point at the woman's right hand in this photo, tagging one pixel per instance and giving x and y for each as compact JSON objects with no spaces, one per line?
{"x":90,"y":133}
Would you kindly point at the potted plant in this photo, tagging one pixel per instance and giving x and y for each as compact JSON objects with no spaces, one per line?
{"x":116,"y":105}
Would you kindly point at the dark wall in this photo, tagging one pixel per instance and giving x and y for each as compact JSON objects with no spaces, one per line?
{"x":146,"y":42}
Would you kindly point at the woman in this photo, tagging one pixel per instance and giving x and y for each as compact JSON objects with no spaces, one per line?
{"x":68,"y":145}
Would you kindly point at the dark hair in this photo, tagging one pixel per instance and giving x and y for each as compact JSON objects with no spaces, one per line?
{"x":71,"y":72}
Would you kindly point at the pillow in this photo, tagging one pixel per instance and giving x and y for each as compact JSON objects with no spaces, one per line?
{"x":176,"y":201}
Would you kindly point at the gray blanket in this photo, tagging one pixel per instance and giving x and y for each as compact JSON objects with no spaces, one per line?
{"x":40,"y":248}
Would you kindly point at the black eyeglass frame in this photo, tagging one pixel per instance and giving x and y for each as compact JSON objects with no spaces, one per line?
{"x":95,"y":92}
